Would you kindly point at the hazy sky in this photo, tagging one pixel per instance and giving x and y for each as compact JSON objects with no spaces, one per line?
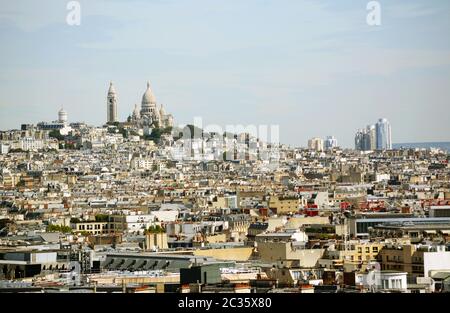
{"x":315,"y":68}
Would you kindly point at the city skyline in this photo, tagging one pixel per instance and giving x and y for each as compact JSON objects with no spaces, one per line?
{"x":225,"y":154}
{"x":305,"y":79}
{"x":380,"y":140}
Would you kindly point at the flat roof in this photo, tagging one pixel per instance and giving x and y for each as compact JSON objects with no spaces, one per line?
{"x":404,"y":219}
{"x":430,"y":226}
{"x":156,"y":255}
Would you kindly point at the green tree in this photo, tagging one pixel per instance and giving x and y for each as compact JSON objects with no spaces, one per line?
{"x":156,"y":229}
{"x":75,"y":220}
{"x":58,"y":228}
{"x":101,"y":217}
{"x":66,"y":229}
{"x":56,"y":134}
{"x":155,"y":135}
{"x":167,"y":130}
{"x":124,"y":132}
{"x":15,"y":150}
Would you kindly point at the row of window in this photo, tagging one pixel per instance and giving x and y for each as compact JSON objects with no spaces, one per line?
{"x":360,"y":258}
{"x":391,"y":267}
{"x":97,"y":232}
{"x":399,"y":258}
{"x":367,"y":249}
{"x":92,"y":226}
{"x":395,"y":283}
{"x":51,"y":267}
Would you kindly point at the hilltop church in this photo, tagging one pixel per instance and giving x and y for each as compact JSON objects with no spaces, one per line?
{"x":147,"y":118}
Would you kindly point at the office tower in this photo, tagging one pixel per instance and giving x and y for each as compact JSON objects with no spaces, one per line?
{"x":383,"y":134}
{"x":365,"y":139}
{"x":372,"y":137}
{"x":366,"y":144}
{"x":315,"y":144}
{"x":111,"y":104}
{"x":330,"y":142}
{"x":359,"y":140}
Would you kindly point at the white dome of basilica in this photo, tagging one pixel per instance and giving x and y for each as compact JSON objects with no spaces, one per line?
{"x":148,"y":97}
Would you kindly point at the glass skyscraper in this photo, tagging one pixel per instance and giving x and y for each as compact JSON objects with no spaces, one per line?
{"x":384,"y":138}
{"x":374,"y":137}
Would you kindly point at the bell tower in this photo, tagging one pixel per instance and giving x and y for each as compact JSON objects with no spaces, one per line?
{"x":111,"y":105}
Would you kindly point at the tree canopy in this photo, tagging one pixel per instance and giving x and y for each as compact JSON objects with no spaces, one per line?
{"x":156,"y":229}
{"x":101,"y":217}
{"x":56,"y":134}
{"x":58,"y":228}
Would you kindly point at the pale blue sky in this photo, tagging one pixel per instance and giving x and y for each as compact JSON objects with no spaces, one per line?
{"x":313,"y":67}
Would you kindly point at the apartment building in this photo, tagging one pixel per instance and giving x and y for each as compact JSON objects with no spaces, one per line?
{"x":91,"y":227}
{"x":284,"y":205}
{"x":416,"y":260}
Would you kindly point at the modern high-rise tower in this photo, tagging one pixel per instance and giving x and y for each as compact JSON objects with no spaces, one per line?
{"x":371,"y":138}
{"x":374,"y":137}
{"x":330,"y":142}
{"x":315,"y":144}
{"x":384,"y":137}
{"x":111,"y":104}
{"x":359,"y":140}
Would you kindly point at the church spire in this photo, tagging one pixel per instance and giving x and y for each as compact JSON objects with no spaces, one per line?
{"x":111,"y":88}
{"x":111,"y":105}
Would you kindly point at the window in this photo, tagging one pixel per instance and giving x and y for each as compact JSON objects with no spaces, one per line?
{"x":396,"y":283}
{"x":367,"y":249}
{"x":359,"y":250}
{"x":375,"y":249}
